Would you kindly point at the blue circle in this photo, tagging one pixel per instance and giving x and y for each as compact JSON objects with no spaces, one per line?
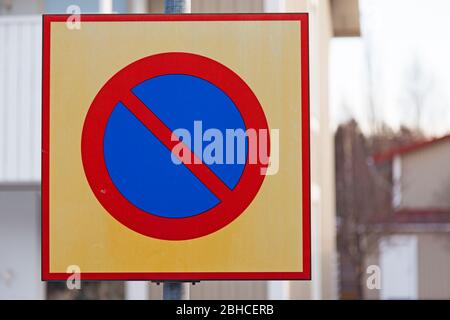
{"x":141,"y":167}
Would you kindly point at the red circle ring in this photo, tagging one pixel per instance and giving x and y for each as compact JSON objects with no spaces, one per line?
{"x":93,"y":157}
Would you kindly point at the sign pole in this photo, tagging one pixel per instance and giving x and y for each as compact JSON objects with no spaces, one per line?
{"x":176,"y":290}
{"x":177,"y":6}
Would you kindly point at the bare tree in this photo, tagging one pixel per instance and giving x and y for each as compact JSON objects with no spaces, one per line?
{"x":373,"y":117}
{"x":419,"y":84}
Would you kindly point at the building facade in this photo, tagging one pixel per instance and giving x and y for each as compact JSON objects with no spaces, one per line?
{"x":414,"y":256}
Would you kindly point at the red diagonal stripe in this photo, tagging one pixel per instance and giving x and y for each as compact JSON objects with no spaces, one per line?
{"x":164,"y":134}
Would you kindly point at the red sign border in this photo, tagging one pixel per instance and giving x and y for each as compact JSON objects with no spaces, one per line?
{"x":189,"y":276}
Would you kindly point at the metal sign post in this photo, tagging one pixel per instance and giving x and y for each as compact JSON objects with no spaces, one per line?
{"x":177,"y":6}
{"x":176,"y":290}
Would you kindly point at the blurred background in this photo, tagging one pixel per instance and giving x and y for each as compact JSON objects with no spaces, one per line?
{"x":380,"y":124}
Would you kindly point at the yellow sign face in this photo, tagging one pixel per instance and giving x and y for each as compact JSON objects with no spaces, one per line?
{"x":146,"y":173}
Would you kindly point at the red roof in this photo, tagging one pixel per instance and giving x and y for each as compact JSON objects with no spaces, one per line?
{"x":388,"y":155}
{"x":425,"y":215}
{"x":415,"y":216}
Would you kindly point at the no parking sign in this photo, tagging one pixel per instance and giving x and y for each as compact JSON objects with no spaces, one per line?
{"x":176,"y":147}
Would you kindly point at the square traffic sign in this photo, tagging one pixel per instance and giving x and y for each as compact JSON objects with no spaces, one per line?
{"x":176,"y":147}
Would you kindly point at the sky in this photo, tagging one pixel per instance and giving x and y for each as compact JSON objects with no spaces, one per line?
{"x":396,"y":35}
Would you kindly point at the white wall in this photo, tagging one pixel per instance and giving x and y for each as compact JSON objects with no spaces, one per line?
{"x":398,"y":264}
{"x":425,"y":177}
{"x":20,"y":99}
{"x":20,"y":246}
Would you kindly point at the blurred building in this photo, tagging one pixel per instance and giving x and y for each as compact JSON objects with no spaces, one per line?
{"x":415,"y":253}
{"x":20,"y":116}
